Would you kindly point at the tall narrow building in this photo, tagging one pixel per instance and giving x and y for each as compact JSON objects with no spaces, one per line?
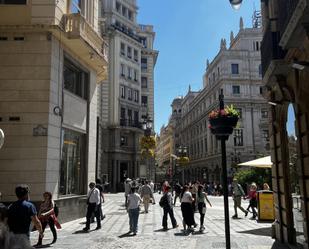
{"x":129,"y":96}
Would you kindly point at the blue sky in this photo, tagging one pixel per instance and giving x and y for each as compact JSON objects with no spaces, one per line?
{"x":187,"y":33}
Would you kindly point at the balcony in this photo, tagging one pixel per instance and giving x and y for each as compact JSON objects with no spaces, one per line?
{"x":270,"y":49}
{"x":127,"y":32}
{"x":130,"y":123}
{"x":86,"y":42}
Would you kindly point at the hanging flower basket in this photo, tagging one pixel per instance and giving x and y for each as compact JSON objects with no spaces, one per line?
{"x":183,"y":160}
{"x":148,"y":153}
{"x":222,"y":122}
{"x":148,"y":142}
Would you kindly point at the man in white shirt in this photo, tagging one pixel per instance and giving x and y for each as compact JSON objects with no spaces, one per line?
{"x":93,"y":202}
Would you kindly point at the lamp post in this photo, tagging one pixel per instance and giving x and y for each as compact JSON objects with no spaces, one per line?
{"x":147,"y":127}
{"x":182,"y":153}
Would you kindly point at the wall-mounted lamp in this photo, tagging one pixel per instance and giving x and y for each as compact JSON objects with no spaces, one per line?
{"x":235,"y":4}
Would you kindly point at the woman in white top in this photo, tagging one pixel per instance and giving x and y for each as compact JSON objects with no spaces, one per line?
{"x":134,"y":200}
{"x":186,"y":208}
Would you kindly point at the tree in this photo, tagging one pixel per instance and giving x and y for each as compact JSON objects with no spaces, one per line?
{"x":257,"y":175}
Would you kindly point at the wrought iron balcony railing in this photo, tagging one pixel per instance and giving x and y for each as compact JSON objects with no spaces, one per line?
{"x":130,"y":123}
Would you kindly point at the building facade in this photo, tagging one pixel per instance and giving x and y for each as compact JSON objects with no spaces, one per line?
{"x":237,"y":72}
{"x":285,"y":50}
{"x":52,"y":59}
{"x":128,"y":93}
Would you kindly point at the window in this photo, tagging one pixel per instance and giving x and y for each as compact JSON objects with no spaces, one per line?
{"x":130,"y":15}
{"x":256,"y":46}
{"x":129,"y":117}
{"x":264,"y":113}
{"x":135,"y":55}
{"x":129,"y":73}
{"x":261,"y":90}
{"x":124,"y":11}
{"x":238,"y":137}
{"x":235,"y":69}
{"x":75,"y":79}
{"x":123,"y":113}
{"x":144,"y":82}
{"x":118,"y":6}
{"x":144,"y":63}
{"x":240,"y":112}
{"x":236,"y":89}
{"x":144,"y":41}
{"x":213,"y":77}
{"x":73,"y":167}
{"x":129,"y":52}
{"x":144,"y":100}
{"x":136,"y":96}
{"x":265,"y":134}
{"x":122,"y":70}
{"x":75,"y":6}
{"x":260,"y":70}
{"x":136,"y":118}
{"x":123,"y":140}
{"x":122,"y":49}
{"x":129,"y":94}
{"x":122,"y":92}
{"x":135,"y":75}
{"x":218,"y":71}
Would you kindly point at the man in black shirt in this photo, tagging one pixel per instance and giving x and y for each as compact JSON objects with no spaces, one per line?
{"x":22,"y":212}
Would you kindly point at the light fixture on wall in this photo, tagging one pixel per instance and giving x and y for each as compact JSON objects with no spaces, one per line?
{"x":235,"y":4}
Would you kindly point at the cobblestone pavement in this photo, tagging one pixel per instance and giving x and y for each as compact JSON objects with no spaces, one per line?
{"x":245,"y":233}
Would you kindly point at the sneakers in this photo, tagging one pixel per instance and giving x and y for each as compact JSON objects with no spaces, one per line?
{"x":86,"y":229}
{"x":202,"y":228}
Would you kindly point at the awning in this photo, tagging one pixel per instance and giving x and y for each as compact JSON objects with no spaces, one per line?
{"x":263,"y":162}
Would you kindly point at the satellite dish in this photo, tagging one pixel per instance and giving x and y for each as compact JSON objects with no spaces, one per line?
{"x":1,"y":138}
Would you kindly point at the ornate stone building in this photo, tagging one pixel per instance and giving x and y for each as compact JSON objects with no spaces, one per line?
{"x":237,"y":71}
{"x":285,"y":56}
{"x":128,"y":93}
{"x":52,"y":61}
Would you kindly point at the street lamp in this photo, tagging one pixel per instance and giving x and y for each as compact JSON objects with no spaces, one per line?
{"x":147,"y":127}
{"x":236,"y":4}
{"x":183,"y":157}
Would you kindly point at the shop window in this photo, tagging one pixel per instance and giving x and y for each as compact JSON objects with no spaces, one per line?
{"x":73,"y":167}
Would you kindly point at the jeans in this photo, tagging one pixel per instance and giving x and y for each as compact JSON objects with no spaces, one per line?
{"x":201,"y":205}
{"x":133,"y":219}
{"x":168,"y":210}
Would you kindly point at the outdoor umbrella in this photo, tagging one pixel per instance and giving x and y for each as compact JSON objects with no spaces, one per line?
{"x":263,"y":162}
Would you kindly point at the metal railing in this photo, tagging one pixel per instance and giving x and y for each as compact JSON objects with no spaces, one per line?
{"x":130,"y":123}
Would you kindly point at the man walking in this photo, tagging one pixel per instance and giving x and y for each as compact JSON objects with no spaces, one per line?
{"x":166,"y":203}
{"x":22,"y":212}
{"x":146,"y":194}
{"x":238,"y":192}
{"x":93,"y":202}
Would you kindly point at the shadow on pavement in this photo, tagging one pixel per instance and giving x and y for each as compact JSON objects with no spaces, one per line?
{"x":42,"y":246}
{"x":128,"y":234}
{"x":162,"y":230}
{"x":82,"y":231}
{"x":183,"y":234}
{"x":278,"y":245}
{"x":266,"y":231}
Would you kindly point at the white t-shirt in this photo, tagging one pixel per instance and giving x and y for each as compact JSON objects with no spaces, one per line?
{"x":187,"y":197}
{"x":134,"y":201}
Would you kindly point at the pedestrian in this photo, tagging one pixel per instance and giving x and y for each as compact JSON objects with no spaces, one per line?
{"x":134,"y":201}
{"x":186,"y":209}
{"x":201,"y":204}
{"x":252,"y":200}
{"x":177,"y":188}
{"x":48,"y":217}
{"x":127,"y":190}
{"x":146,"y":195}
{"x":266,"y":186}
{"x":152,"y":186}
{"x":166,"y":203}
{"x":102,"y":198}
{"x":93,"y":203}
{"x":238,"y":192}
{"x":22,"y":212}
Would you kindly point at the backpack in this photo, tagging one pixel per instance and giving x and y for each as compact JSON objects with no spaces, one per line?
{"x":56,"y":210}
{"x":163,"y":201}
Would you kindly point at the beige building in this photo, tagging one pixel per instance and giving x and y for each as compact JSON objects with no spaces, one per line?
{"x":237,"y":71}
{"x":128,"y":93}
{"x":52,"y":59}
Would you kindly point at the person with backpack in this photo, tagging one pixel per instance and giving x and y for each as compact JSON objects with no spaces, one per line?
{"x":238,"y":192}
{"x":166,"y":203}
{"x":48,"y":217}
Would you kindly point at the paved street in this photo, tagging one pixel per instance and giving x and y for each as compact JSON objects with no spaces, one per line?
{"x":245,"y":233}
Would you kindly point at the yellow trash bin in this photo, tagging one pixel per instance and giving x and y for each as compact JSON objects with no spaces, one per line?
{"x":266,"y":206}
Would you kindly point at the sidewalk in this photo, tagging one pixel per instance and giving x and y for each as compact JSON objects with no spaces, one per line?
{"x":245,"y":233}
